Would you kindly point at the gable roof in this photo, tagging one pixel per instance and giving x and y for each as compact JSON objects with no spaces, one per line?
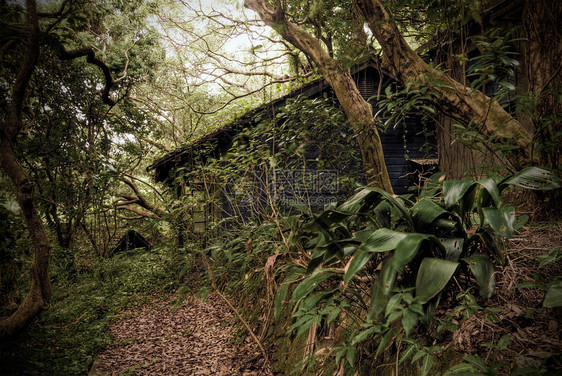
{"x":223,"y":136}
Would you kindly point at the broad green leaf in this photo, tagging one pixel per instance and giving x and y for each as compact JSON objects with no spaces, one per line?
{"x":418,"y":356}
{"x":454,"y":191}
{"x":433,"y":276}
{"x":553,"y":295}
{"x":353,"y":204}
{"x":383,"y":213}
{"x":384,"y":282}
{"x":305,"y":323}
{"x":501,"y":220}
{"x":326,"y":220}
{"x":533,"y":178}
{"x":483,"y":270}
{"x":409,"y":321}
{"x":491,"y":188}
{"x":358,"y":261}
{"x":445,"y":225}
{"x":453,"y":248}
{"x":429,"y":309}
{"x":407,"y":353}
{"x":476,"y":361}
{"x":369,"y":197}
{"x":309,"y":284}
{"x":504,"y":341}
{"x":408,"y":247}
{"x":427,"y":363}
{"x":363,"y":234}
{"x":492,"y":242}
{"x":464,"y":369}
{"x":384,"y":342}
{"x":388,"y":277}
{"x":311,"y":301}
{"x":316,"y":259}
{"x":394,"y":316}
{"x":350,"y":356}
{"x":425,"y":212}
{"x":363,"y":335}
{"x":378,"y":299}
{"x":382,"y":240}
{"x":394,"y":303}
{"x":333,"y":315}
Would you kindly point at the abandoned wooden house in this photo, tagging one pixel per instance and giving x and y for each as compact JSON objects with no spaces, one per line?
{"x":407,"y":151}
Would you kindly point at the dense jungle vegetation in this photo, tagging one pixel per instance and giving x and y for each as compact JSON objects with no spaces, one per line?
{"x":461,"y":275}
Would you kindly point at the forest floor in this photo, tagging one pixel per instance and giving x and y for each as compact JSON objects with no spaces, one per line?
{"x":532,"y":333}
{"x":178,"y":336}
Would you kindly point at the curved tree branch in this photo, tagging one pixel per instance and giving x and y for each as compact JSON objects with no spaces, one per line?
{"x":92,"y":59}
{"x":140,"y":200}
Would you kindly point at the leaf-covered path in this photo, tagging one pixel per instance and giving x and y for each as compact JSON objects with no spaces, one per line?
{"x":194,"y":339}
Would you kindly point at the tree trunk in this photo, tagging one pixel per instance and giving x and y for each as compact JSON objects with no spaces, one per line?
{"x":40,"y":291}
{"x":455,"y":100}
{"x":358,"y":111}
{"x":542,"y":51}
{"x":456,"y":159}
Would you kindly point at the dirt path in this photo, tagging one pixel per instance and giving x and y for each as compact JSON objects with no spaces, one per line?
{"x":194,"y":339}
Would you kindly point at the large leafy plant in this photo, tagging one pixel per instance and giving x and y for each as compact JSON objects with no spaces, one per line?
{"x":388,"y":260}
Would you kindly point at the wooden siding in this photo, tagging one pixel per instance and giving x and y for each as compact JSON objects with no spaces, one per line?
{"x":400,"y":144}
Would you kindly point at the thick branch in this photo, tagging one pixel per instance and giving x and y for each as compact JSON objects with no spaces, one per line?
{"x":139,"y":200}
{"x":455,"y":100}
{"x":140,"y":212}
{"x":92,"y":59}
{"x":14,"y":118}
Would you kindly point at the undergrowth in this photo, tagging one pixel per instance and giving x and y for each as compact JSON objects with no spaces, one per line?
{"x":382,"y":280}
{"x":64,"y":339}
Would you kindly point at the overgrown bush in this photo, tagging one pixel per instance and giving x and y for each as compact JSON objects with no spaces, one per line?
{"x":378,"y":265}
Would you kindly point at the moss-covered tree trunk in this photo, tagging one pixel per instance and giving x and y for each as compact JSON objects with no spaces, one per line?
{"x":39,"y":293}
{"x":358,"y":111}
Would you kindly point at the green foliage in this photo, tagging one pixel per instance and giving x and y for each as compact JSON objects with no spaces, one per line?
{"x":553,"y":287}
{"x":548,"y":136}
{"x":493,"y":70}
{"x":391,"y":258}
{"x":416,"y":97}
